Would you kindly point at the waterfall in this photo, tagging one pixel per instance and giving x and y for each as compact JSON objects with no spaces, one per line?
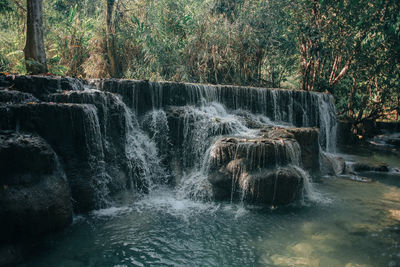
{"x":201,"y":128}
{"x":142,"y":155}
{"x":156,"y":124}
{"x":297,"y":108}
{"x":328,"y":122}
{"x":96,"y":155}
{"x":219,"y":142}
{"x":117,"y":128}
{"x":191,"y":118}
{"x":204,"y":122}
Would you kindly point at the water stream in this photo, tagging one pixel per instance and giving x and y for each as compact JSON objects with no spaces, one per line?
{"x":349,"y":224}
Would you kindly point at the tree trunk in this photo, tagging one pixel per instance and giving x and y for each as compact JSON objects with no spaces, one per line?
{"x":114,"y":66}
{"x":35,"y":55}
{"x":350,"y":105}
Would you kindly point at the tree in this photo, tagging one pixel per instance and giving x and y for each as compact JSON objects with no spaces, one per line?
{"x":351,"y":49}
{"x":35,"y":55}
{"x":114,"y":66}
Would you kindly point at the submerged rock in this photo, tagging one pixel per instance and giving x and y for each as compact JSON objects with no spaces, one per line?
{"x":360,"y":167}
{"x":387,"y":142}
{"x":35,"y":197}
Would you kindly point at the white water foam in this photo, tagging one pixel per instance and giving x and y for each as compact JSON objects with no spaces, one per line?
{"x":165,"y":200}
{"x":110,"y":212}
{"x":310,"y":192}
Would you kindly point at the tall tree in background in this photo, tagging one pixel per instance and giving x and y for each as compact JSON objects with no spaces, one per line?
{"x":114,"y":67}
{"x":35,"y":55}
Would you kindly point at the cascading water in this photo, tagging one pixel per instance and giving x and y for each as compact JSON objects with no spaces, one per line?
{"x":328,"y":122}
{"x":297,"y":108}
{"x":205,"y":122}
{"x":202,"y":126}
{"x":190,"y":118}
{"x":140,"y":153}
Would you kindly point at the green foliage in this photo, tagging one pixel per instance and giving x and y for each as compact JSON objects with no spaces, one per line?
{"x":5,"y":6}
{"x":348,"y":48}
{"x":68,"y":38}
{"x":351,"y":49}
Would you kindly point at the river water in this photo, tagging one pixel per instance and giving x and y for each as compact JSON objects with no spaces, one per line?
{"x":347,"y":223}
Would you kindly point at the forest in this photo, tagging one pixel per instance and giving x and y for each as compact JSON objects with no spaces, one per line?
{"x":348,"y":48}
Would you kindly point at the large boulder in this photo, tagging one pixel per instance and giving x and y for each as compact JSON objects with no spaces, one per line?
{"x":73,"y":132}
{"x":35,"y":197}
{"x":260,"y":170}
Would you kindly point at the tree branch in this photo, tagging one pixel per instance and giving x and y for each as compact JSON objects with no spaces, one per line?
{"x":19,"y":5}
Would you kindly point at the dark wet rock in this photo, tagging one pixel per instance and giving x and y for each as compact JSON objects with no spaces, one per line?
{"x":40,"y":86}
{"x":113,"y":122}
{"x":299,"y":108}
{"x":277,"y":187}
{"x":35,"y":197}
{"x":73,"y":132}
{"x":88,"y":130}
{"x":309,"y":145}
{"x":191,"y":131}
{"x":267,"y":186}
{"x":276,"y":132}
{"x":183,"y":121}
{"x":388,"y":140}
{"x":307,"y":139}
{"x":176,"y":123}
{"x":361,"y":167}
{"x":332,"y":164}
{"x":250,"y":122}
{"x":11,"y":96}
{"x":258,"y":152}
{"x":251,"y":169}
